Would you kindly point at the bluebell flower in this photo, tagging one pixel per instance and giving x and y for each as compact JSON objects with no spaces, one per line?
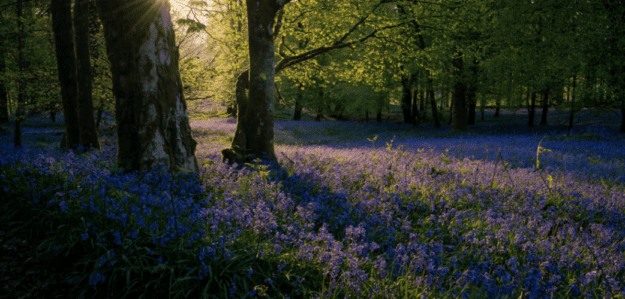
{"x":96,"y":278}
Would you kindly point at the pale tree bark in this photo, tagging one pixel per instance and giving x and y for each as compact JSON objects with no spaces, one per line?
{"x":150,"y":110}
{"x":88,"y":130}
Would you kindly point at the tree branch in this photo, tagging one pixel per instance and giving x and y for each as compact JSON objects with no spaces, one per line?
{"x":292,"y":60}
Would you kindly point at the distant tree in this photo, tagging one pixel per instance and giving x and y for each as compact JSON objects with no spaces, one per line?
{"x":21,"y":102}
{"x":151,"y":112}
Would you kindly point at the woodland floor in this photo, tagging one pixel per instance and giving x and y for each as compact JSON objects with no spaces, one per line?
{"x":22,"y":275}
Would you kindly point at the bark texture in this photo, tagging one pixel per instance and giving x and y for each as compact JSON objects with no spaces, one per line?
{"x":88,"y":130}
{"x":256,"y":137}
{"x":259,"y":117}
{"x":150,"y":110}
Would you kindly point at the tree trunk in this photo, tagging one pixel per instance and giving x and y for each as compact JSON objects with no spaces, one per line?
{"x":482,"y":106}
{"x":572,"y":96}
{"x":238,"y":149}
{"x":422,"y":100}
{"x":378,"y":116}
{"x":543,"y":117}
{"x":66,"y":64}
{"x":366,"y":116}
{"x":415,"y":110}
{"x":231,"y":110}
{"x":405,"y":99}
{"x":459,"y":115}
{"x":150,"y":110}
{"x":88,"y":130}
{"x":318,"y":117}
{"x":298,"y":103}
{"x":531,"y":109}
{"x":258,"y":119}
{"x":472,"y":103}
{"x":19,"y":113}
{"x":622,"y":118}
{"x":451,"y":111}
{"x":4,"y":99}
{"x":497,"y":107}
{"x":430,"y":93}
{"x":99,"y":118}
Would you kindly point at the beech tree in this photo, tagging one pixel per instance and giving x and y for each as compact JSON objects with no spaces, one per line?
{"x":254,"y":133}
{"x":88,"y":132}
{"x":150,"y":109}
{"x":66,"y":61}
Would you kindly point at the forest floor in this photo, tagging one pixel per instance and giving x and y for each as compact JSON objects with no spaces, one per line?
{"x":23,"y":275}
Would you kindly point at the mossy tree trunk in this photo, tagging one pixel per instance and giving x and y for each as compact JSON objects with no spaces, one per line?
{"x":150,"y":110}
{"x":88,"y":130}
{"x":258,"y":121}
